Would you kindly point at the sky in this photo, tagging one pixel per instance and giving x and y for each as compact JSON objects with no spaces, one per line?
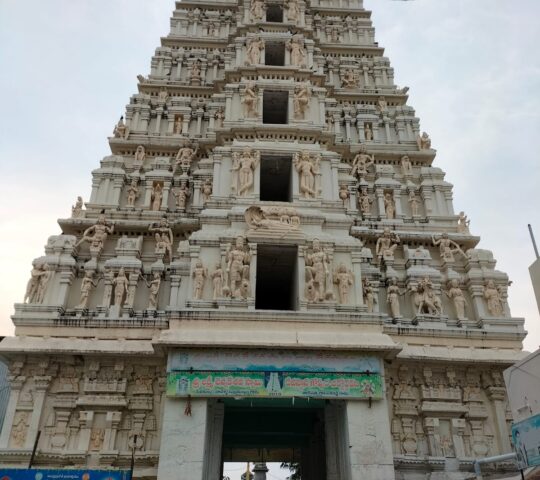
{"x":68,"y":68}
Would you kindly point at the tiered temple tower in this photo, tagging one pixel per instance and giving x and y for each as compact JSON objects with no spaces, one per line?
{"x":269,"y":268}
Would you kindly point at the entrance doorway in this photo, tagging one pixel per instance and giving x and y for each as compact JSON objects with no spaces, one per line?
{"x":275,"y":431}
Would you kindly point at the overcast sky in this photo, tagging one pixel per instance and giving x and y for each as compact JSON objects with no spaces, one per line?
{"x":68,"y":68}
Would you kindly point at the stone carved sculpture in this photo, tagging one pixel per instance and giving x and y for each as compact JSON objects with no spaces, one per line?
{"x":206,"y":190}
{"x":178,"y":124}
{"x":96,"y":236}
{"x":447,"y":247}
{"x":406,"y":165}
{"x":389,"y":206}
{"x":156,"y":196}
{"x":164,"y":237}
{"x":244,"y":165}
{"x":255,"y":46}
{"x":86,"y":288}
{"x":368,"y":132}
{"x":493,"y":297}
{"x":318,"y":276}
{"x":343,"y":278}
{"x":96,"y":439}
{"x":455,"y":294}
{"x":219,"y":117}
{"x":19,"y":429}
{"x":120,"y":284}
{"x":301,"y":99}
{"x":329,"y":120}
{"x":425,"y":299}
{"x":392,"y":298}
{"x":182,"y":194}
{"x":365,"y":201}
{"x":132,"y":193}
{"x":121,"y":130}
{"x":184,"y":158}
{"x":250,"y":100}
{"x":293,"y":10}
{"x":217,"y":282}
{"x":163,"y":95}
{"x":387,"y":244}
{"x":154,"y":290}
{"x":414,"y":203}
{"x":349,"y":79}
{"x":423,"y":141}
{"x":195,"y":73}
{"x":369,"y":295}
{"x":382,"y":105}
{"x":35,"y":288}
{"x":308,"y":169}
{"x":463,"y":224}
{"x":361,"y":162}
{"x":257,"y":10}
{"x":138,"y":159}
{"x":77,"y":209}
{"x":200,"y":273}
{"x":298,"y":51}
{"x":281,"y":219}
{"x":344,"y":194}
{"x":238,"y":260}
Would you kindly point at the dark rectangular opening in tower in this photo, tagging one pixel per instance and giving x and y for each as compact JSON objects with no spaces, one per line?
{"x":275,"y":106}
{"x":274,"y":54}
{"x":276,"y":278}
{"x":274,"y":13}
{"x":276,"y":179}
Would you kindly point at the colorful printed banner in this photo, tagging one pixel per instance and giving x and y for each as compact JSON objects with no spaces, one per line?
{"x":41,"y":474}
{"x":271,"y":361}
{"x":274,"y":384}
{"x":526,"y":439}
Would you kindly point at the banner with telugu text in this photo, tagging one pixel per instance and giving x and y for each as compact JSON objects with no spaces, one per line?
{"x":274,"y":384}
{"x":63,"y":474}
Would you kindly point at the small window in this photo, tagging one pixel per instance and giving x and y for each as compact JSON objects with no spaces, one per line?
{"x":274,"y":54}
{"x":276,"y":179}
{"x":275,"y":106}
{"x":274,"y":13}
{"x":276,"y":278}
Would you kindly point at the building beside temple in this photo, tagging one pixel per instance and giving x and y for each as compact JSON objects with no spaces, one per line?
{"x":269,"y":268}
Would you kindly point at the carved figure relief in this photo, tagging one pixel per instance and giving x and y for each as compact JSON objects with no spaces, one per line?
{"x":343,"y":278}
{"x":199,"y":278}
{"x":255,"y":46}
{"x":206,"y":190}
{"x":96,"y":236}
{"x":121,"y":284}
{"x":178,"y":124}
{"x":392,"y":298}
{"x":298,"y":52}
{"x":349,"y":79}
{"x":387,"y":244}
{"x":154,"y":291}
{"x":368,"y":132}
{"x":219,"y":117}
{"x":279,"y":219}
{"x":301,"y":98}
{"x":425,"y":298}
{"x":156,"y":196}
{"x":184,"y":158}
{"x":463,"y":224}
{"x":195,"y":73}
{"x":389,"y":206}
{"x":164,"y":237}
{"x":370,"y":298}
{"x":361,"y":162}
{"x":35,"y":288}
{"x":318,"y":274}
{"x":121,"y":130}
{"x":293,"y":11}
{"x":423,"y":141}
{"x":414,"y":203}
{"x":250,"y":100}
{"x":257,"y":10}
{"x":132,"y":193}
{"x":493,"y":297}
{"x":217,"y":282}
{"x":96,"y":439}
{"x":19,"y":429}
{"x":308,"y":169}
{"x":455,"y":294}
{"x":238,"y":260}
{"x":365,"y":201}
{"x":344,"y":194}
{"x":86,"y":288}
{"x":181,"y":194}
{"x":447,"y":247}
{"x":77,"y":209}
{"x":406,"y":165}
{"x":138,"y":160}
{"x":244,"y":164}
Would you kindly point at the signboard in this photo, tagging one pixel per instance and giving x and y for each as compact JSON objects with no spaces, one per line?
{"x":274,"y":384}
{"x":526,"y":439}
{"x":41,"y":474}
{"x":271,"y":361}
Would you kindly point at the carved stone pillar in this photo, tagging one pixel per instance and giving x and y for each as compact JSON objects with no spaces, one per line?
{"x":159,"y":115}
{"x":112,"y":421}
{"x":498,"y":396}
{"x":16,"y":384}
{"x":431,"y":426}
{"x":301,"y":268}
{"x":86,"y":418}
{"x":214,"y":434}
{"x":41,"y":384}
{"x":379,"y":193}
{"x":357,"y":271}
{"x":458,"y":431}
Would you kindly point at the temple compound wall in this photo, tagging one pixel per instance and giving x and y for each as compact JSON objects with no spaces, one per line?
{"x":270,"y":231}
